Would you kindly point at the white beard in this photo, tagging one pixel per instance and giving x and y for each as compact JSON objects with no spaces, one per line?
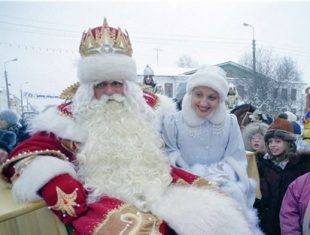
{"x":121,"y":157}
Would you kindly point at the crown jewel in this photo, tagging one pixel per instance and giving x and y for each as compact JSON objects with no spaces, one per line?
{"x":105,"y":39}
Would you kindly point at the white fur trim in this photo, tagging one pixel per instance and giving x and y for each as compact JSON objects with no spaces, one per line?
{"x":240,"y":171}
{"x":166,"y":105}
{"x":106,"y":67}
{"x":52,"y":121}
{"x":191,"y":210}
{"x":236,"y":190}
{"x":190,"y":116}
{"x":37,"y":174}
{"x":210,"y":76}
{"x":218,"y":116}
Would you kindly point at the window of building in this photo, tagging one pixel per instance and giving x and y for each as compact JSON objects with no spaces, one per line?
{"x":229,"y":73}
{"x":275,"y":93}
{"x":293,"y":94}
{"x":169,"y":90}
{"x":284,"y":94}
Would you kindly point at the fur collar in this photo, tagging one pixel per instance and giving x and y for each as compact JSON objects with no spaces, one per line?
{"x":294,"y":158}
{"x":54,"y":121}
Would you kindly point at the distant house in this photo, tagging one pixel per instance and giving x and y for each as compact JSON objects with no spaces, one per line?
{"x":167,"y":77}
{"x":170,"y":77}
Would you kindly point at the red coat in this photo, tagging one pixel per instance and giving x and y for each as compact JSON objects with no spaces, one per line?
{"x":101,"y":215}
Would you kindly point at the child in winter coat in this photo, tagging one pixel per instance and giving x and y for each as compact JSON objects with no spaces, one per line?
{"x":8,"y":133}
{"x":253,"y":139}
{"x":9,"y":122}
{"x":279,"y":167}
{"x":295,"y":209}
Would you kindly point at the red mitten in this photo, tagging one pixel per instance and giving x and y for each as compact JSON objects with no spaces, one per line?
{"x":66,"y":197}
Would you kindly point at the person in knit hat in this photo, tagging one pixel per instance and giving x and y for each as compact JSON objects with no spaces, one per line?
{"x":204,"y":139}
{"x":97,"y":160}
{"x":8,"y":119}
{"x":233,"y":99}
{"x":278,"y":166}
{"x":9,"y":130}
{"x":148,"y":79}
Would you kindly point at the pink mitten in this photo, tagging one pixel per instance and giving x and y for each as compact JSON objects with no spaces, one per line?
{"x":66,"y":197}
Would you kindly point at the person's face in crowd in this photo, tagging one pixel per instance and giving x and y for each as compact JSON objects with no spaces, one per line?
{"x":277,"y":146}
{"x":255,"y":119}
{"x":231,"y":90}
{"x":148,"y":79}
{"x":108,"y":88}
{"x":3,"y":124}
{"x":204,"y":100}
{"x":257,"y":141}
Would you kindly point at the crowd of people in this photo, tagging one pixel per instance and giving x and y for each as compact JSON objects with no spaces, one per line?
{"x":118,"y":158}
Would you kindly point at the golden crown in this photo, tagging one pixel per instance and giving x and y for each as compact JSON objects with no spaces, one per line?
{"x":105,"y":39}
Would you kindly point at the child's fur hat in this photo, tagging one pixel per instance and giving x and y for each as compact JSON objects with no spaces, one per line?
{"x":282,"y":129}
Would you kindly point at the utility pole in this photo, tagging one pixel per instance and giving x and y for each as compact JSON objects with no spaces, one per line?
{"x":7,"y":89}
{"x":253,"y":48}
{"x":157,"y":50}
{"x":7,"y":84}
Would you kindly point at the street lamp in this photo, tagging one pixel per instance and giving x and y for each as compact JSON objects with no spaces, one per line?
{"x":6,"y":83}
{"x":21,"y":96}
{"x":253,"y":46}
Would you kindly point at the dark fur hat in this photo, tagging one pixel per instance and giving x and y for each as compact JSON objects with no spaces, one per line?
{"x":282,"y":129}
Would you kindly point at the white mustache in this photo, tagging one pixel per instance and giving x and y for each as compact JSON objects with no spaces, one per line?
{"x":115,"y":97}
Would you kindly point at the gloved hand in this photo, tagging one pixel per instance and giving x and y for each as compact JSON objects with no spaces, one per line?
{"x":66,"y":197}
{"x":216,"y":175}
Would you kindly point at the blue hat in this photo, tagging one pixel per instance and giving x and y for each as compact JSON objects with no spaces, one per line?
{"x":297,"y":128}
{"x":9,"y":116}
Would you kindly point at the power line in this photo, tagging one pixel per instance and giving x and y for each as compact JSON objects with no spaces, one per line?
{"x":40,"y":49}
{"x":154,"y":38}
{"x":37,"y":27}
{"x":158,"y":39}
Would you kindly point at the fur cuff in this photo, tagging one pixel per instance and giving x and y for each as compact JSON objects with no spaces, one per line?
{"x":191,"y":210}
{"x":177,"y":160}
{"x":240,"y":171}
{"x":37,"y":174}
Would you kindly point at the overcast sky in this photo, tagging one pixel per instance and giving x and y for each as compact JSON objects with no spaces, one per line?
{"x":45,"y":36}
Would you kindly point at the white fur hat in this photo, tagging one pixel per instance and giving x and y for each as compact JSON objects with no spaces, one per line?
{"x":106,"y":67}
{"x":215,"y":78}
{"x":210,"y":76}
{"x":106,"y":55}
